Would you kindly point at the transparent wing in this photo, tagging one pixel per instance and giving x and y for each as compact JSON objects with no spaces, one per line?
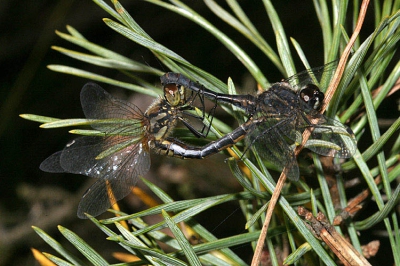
{"x":122,"y":123}
{"x":269,"y":140}
{"x":117,"y":175}
{"x":119,"y":169}
{"x":331,"y":138}
{"x":320,"y":76}
{"x":116,"y":160}
{"x":81,"y":156}
{"x":52,"y":163}
{"x":101,"y":196}
{"x":113,"y":115}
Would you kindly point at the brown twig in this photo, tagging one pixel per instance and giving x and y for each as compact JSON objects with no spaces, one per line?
{"x":326,"y":232}
{"x":354,"y":205}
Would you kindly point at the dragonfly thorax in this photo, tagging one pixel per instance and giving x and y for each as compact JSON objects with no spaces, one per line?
{"x":279,"y":99}
{"x":162,"y":118}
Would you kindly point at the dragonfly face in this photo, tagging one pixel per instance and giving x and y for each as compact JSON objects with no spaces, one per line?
{"x":277,"y":119}
{"x":121,"y":151}
{"x":175,"y":95}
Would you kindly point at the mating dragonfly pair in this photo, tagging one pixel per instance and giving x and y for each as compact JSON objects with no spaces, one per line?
{"x":276,"y":120}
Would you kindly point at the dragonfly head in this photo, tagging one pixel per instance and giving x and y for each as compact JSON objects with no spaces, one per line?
{"x":311,"y":97}
{"x":173,"y":94}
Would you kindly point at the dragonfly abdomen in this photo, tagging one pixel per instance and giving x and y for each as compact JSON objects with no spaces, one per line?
{"x":175,"y":148}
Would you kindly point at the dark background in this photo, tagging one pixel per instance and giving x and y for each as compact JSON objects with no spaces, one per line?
{"x":31,"y":197}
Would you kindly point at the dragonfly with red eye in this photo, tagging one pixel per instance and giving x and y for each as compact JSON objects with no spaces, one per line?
{"x":277,"y":118}
{"x":120,"y":152}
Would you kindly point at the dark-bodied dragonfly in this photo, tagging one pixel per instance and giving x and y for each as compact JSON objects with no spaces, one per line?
{"x":277,"y":119}
{"x":120,"y":152}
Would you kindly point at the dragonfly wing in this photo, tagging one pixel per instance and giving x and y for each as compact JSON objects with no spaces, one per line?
{"x":115,"y":159}
{"x":52,"y":163}
{"x":116,"y":175}
{"x":319,"y":76}
{"x":119,"y":169}
{"x":81,"y":156}
{"x":100,"y":196}
{"x":268,"y":140}
{"x":100,"y":105}
{"x":331,"y":138}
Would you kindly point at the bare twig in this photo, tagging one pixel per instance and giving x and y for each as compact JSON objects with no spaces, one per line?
{"x":323,"y":230}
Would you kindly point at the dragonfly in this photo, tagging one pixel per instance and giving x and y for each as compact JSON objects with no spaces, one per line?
{"x":120,"y":152}
{"x":277,"y":118}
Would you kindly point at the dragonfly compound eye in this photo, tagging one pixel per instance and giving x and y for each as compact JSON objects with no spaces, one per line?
{"x":312,"y":97}
{"x":172,"y":94}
